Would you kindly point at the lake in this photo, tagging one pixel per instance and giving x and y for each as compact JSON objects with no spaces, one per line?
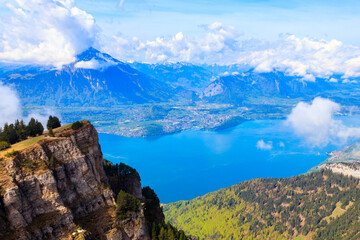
{"x":192,"y":163}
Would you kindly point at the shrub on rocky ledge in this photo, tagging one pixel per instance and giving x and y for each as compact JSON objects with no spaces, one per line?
{"x":4,"y":145}
{"x":13,"y":153}
{"x":76,"y":125}
{"x":126,"y":204}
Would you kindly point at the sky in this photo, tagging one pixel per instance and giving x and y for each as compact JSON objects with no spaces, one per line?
{"x":301,"y":38}
{"x":309,"y":39}
{"x":265,"y":19}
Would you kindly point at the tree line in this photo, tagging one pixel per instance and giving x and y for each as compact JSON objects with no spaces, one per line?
{"x":19,"y":131}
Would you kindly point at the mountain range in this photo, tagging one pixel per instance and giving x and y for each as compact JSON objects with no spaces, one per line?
{"x":97,"y":79}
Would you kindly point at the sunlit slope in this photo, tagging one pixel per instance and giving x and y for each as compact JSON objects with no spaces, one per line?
{"x":320,"y":205}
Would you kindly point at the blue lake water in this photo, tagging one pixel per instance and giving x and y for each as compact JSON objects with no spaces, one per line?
{"x":185,"y":165}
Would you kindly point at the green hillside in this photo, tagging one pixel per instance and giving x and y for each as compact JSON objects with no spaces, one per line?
{"x":319,"y":205}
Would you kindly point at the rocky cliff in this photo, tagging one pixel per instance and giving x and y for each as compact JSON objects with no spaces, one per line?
{"x":56,"y":188}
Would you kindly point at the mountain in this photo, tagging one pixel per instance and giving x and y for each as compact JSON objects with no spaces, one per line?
{"x":60,"y":187}
{"x":94,"y":79}
{"x":320,"y":205}
{"x":237,"y":87}
{"x":185,"y":75}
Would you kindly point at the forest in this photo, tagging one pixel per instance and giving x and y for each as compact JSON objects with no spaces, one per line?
{"x":319,"y":205}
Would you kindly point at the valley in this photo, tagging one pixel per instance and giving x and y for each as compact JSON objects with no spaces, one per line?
{"x":140,"y":100}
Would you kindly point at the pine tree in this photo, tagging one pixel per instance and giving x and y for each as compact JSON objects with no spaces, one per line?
{"x":51,"y":133}
{"x":53,"y":122}
{"x":154,"y":232}
{"x":162,"y":234}
{"x":12,"y":136}
{"x":31,"y":128}
{"x":39,"y":128}
{"x":21,"y":130}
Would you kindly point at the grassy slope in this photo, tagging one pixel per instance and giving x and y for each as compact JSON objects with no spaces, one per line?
{"x":292,"y":208}
{"x":6,"y":180}
{"x":30,"y":141}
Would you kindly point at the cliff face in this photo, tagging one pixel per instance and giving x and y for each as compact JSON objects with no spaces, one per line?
{"x":57,"y":189}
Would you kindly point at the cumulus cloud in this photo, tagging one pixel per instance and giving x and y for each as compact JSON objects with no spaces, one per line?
{"x":10,"y":107}
{"x":46,"y":32}
{"x":305,"y":57}
{"x":262,"y":145}
{"x":218,"y":45}
{"x":315,"y":122}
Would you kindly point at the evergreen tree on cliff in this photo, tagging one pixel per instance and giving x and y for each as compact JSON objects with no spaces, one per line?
{"x":53,"y":122}
{"x":34,"y":128}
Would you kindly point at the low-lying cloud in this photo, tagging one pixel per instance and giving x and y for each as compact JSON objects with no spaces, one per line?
{"x":315,"y":122}
{"x":10,"y":108}
{"x":262,"y":145}
{"x":45,"y":32}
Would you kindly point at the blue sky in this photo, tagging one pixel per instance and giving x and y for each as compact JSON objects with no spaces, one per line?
{"x":302,"y":38}
{"x":264,"y":19}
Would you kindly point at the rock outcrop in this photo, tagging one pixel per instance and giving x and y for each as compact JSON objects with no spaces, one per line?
{"x":57,"y":189}
{"x":347,"y":169}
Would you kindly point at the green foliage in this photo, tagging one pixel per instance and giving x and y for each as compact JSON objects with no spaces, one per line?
{"x":53,"y":122}
{"x":51,"y":133}
{"x":13,"y":133}
{"x":126,"y":204}
{"x":152,"y":210}
{"x":166,"y":232}
{"x":231,"y":122}
{"x":52,"y":162}
{"x":154,"y":129}
{"x":150,"y":194}
{"x":117,"y":169}
{"x":157,"y":112}
{"x":76,"y":125}
{"x":274,"y":209}
{"x":13,"y":153}
{"x":34,"y":128}
{"x":4,"y":145}
{"x":8,"y":134}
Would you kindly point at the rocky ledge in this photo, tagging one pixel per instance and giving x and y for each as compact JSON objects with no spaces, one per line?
{"x":57,"y":188}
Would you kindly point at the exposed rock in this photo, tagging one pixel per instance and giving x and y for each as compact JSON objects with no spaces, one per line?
{"x":128,"y":183}
{"x":57,"y":185}
{"x":347,"y":169}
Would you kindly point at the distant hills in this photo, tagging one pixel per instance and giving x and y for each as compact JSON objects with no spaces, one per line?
{"x":237,"y":87}
{"x":98,"y":79}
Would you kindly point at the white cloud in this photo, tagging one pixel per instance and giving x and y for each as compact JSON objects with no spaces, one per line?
{"x":282,"y":144}
{"x":305,"y":57}
{"x":94,"y":64}
{"x":218,"y":45}
{"x":316,"y":124}
{"x":10,"y":108}
{"x":46,"y":32}
{"x":9,"y":105}
{"x":262,"y":145}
